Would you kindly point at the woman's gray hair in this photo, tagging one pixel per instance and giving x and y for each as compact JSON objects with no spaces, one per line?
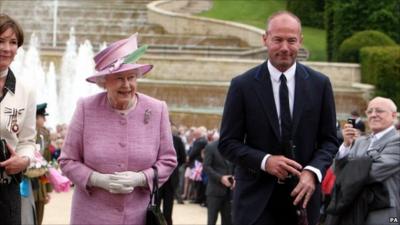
{"x":101,"y":81}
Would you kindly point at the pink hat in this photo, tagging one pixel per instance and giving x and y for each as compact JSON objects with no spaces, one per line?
{"x":118,"y":57}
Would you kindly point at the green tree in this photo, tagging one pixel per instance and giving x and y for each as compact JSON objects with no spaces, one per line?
{"x":311,"y":12}
{"x":345,"y":17}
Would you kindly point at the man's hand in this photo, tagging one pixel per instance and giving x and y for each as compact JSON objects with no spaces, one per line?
{"x":304,"y":189}
{"x":15,"y":163}
{"x":281,"y":167}
{"x":225,"y":180}
{"x":349,"y":134}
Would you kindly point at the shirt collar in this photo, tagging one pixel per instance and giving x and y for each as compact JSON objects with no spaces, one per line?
{"x":276,"y":74}
{"x":10,"y":82}
{"x":4,"y":73}
{"x":380,"y":134}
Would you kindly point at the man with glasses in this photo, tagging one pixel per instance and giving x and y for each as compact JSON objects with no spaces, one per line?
{"x":380,"y":155}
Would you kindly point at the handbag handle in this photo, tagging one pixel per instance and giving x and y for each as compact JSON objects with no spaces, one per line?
{"x":154,"y":193}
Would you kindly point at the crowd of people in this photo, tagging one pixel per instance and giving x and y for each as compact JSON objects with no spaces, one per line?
{"x":280,"y":156}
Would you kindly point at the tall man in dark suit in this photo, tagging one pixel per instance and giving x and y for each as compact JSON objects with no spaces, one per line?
{"x":278,"y":128}
{"x":220,"y":182}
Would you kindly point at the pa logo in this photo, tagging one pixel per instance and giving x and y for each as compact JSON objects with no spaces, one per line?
{"x":393,"y":220}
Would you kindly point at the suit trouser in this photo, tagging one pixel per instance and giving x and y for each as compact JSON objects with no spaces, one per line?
{"x":10,"y":204}
{"x":217,"y":204}
{"x":280,"y":209}
{"x":166,"y":194}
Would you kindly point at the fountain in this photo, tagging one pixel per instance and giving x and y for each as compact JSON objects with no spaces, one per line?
{"x":60,"y":92}
{"x":76,"y":66}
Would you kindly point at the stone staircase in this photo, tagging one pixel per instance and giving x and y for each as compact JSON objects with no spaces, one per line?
{"x":191,"y":72}
{"x":106,"y":21}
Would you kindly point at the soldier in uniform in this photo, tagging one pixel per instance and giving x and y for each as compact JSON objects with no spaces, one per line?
{"x":41,"y":186}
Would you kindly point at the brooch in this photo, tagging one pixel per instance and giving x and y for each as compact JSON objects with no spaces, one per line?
{"x":147,"y":114}
{"x":116,"y":65}
{"x":12,"y":118}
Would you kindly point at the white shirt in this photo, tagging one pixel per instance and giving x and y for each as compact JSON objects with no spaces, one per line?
{"x":276,"y":82}
{"x":290,"y":82}
{"x":345,"y":150}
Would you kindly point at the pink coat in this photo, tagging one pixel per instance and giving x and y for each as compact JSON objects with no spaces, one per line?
{"x":100,"y":139}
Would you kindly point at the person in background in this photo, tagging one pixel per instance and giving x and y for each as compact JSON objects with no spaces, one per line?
{"x":367,"y":169}
{"x":220,"y":183}
{"x":58,"y":147}
{"x":187,"y":184}
{"x":52,"y":146}
{"x":41,"y":186}
{"x":278,"y":128}
{"x":17,"y":123}
{"x":168,"y":190}
{"x":113,"y":141}
{"x":196,"y":164}
{"x":61,"y":130}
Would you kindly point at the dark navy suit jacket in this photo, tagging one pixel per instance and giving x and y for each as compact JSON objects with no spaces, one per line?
{"x":250,"y":130}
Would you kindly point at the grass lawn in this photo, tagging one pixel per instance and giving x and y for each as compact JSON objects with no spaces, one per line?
{"x":256,"y":12}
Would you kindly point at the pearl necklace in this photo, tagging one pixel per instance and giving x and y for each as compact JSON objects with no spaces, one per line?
{"x":131,"y":104}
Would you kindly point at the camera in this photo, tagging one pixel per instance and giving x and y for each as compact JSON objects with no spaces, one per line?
{"x":352,"y":122}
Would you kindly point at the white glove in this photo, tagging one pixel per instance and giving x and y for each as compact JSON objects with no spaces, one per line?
{"x":104,"y":181}
{"x":129,"y":179}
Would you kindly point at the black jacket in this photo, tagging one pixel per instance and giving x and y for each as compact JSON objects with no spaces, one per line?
{"x":352,"y":197}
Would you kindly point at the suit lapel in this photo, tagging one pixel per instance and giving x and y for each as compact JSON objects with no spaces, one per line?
{"x":300,"y":95}
{"x":382,"y":141}
{"x":263,"y":89}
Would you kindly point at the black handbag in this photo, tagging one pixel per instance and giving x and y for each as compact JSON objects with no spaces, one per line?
{"x":154,"y":215}
{"x":4,"y":155}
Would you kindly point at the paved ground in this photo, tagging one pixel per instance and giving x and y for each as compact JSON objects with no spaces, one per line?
{"x":58,"y":211}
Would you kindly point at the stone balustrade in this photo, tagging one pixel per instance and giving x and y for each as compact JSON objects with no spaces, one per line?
{"x":223,"y":69}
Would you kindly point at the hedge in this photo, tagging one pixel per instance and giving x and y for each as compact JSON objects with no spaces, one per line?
{"x":380,"y":66}
{"x":349,"y":50}
{"x":345,"y":17}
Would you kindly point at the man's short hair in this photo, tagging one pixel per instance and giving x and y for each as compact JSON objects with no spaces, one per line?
{"x":283,"y":12}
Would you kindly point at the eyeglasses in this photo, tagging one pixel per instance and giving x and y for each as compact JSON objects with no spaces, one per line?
{"x":377,"y":111}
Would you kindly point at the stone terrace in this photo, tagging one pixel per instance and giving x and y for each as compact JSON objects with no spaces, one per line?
{"x":191,"y":71}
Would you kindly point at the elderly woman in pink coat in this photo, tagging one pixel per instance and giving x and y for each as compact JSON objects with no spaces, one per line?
{"x":113,"y":141}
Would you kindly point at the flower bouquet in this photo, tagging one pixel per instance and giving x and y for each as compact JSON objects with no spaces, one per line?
{"x":38,"y":166}
{"x":60,"y":183}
